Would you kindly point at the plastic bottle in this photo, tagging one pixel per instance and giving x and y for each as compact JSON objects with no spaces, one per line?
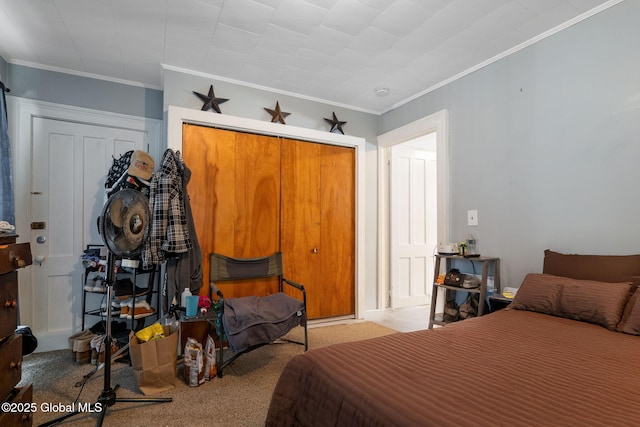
{"x":472,"y":248}
{"x":183,"y":297}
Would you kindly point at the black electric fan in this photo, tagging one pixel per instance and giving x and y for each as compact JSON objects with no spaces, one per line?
{"x":123,"y":224}
{"x":124,"y":227}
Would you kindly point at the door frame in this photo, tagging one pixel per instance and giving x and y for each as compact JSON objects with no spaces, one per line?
{"x":177,"y":116}
{"x":22,"y":112}
{"x":437,"y":122}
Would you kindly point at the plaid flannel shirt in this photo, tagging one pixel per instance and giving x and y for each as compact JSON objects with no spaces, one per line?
{"x":168,"y":232}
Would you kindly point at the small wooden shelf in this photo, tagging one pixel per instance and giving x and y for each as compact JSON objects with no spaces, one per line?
{"x":482,"y":290}
{"x":459,"y":288}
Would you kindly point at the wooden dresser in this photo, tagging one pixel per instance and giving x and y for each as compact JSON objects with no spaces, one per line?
{"x":12,"y":257}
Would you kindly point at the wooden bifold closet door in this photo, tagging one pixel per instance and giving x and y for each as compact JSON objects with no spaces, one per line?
{"x":253,"y":195}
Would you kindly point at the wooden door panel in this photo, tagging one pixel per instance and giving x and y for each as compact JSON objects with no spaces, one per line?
{"x":337,"y":232}
{"x":258,"y":196}
{"x":300,"y":226}
{"x":257,"y":230}
{"x":318,"y":224}
{"x":210,"y":154}
{"x":235,"y":198}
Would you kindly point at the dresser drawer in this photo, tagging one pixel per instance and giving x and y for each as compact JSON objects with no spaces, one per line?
{"x":8,"y":304}
{"x":14,"y":256}
{"x":10,"y":364}
{"x":19,"y":401}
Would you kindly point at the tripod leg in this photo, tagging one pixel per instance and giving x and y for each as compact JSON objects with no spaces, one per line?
{"x":59,"y":419}
{"x":144,"y":399}
{"x":103,"y":413}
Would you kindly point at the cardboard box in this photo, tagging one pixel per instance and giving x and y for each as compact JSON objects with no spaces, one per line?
{"x":154,"y":362}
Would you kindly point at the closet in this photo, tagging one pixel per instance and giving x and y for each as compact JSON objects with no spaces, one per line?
{"x":252,"y":195}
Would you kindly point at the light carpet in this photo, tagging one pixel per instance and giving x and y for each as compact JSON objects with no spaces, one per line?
{"x":240,"y":398}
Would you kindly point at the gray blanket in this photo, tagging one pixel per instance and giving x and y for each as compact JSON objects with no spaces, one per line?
{"x":252,"y":320}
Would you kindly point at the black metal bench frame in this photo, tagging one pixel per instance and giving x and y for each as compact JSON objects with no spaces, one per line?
{"x":223,"y":268}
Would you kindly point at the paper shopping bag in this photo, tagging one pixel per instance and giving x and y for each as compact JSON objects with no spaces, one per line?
{"x":154,"y":362}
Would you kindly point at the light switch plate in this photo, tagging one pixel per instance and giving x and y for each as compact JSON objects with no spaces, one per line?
{"x":472,"y":217}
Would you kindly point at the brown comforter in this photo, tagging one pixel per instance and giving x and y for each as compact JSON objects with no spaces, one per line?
{"x":509,"y":368}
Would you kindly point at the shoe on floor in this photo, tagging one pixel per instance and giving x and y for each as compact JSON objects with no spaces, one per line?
{"x":83,"y":357}
{"x":83,"y":344}
{"x":77,"y":342}
{"x":78,"y":335}
{"x":97,"y":347}
{"x":82,"y":348}
{"x":97,"y":341}
{"x":114,"y":350}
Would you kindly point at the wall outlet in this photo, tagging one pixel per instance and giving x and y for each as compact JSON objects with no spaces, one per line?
{"x":472,"y":217}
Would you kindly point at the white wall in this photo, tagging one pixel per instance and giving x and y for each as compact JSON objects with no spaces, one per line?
{"x":545,"y":144}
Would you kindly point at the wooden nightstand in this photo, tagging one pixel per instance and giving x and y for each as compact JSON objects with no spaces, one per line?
{"x":497,"y":302}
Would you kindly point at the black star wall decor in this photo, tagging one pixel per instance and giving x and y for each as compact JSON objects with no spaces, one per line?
{"x":336,"y":125}
{"x":277,"y":115}
{"x":210,"y":101}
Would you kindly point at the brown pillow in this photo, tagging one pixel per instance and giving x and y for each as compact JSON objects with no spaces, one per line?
{"x":586,"y":300}
{"x":539,"y":293}
{"x":630,"y":323}
{"x":594,"y":302}
{"x":603,"y":268}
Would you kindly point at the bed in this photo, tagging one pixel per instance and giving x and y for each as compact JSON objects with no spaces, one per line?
{"x":567,"y":352}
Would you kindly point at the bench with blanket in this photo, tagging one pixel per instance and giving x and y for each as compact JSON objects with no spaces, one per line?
{"x":250,"y":322}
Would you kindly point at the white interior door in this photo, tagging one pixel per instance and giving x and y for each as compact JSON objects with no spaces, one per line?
{"x":69,"y":166}
{"x":413,"y":225}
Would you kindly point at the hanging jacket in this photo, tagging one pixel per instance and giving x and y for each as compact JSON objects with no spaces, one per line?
{"x":168,"y":231}
{"x":185,"y":270}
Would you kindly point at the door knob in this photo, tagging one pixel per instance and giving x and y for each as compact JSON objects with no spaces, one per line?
{"x":41,"y":239}
{"x":39,"y":259}
{"x":315,"y":250}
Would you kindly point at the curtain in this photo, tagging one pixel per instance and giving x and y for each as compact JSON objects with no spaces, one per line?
{"x":7,"y":208}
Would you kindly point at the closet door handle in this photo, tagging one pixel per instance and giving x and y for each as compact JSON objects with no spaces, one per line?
{"x":315,"y":250}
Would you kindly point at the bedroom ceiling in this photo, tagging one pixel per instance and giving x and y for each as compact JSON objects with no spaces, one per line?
{"x":339,"y":51}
